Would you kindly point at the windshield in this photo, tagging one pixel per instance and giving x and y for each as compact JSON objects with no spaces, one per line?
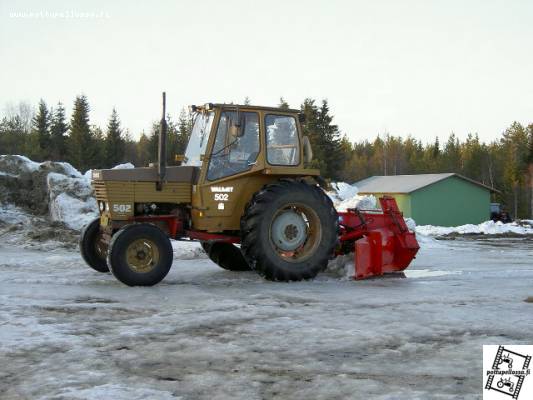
{"x":198,"y":139}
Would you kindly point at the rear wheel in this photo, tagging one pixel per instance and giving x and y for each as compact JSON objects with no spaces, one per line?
{"x":140,"y":255}
{"x":289,"y":231}
{"x":226,"y":255}
{"x":92,"y":248}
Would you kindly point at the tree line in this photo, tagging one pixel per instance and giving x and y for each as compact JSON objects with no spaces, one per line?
{"x":47,"y":135}
{"x":505,"y":164}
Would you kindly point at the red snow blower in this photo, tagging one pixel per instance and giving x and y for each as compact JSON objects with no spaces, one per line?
{"x":382,"y":242}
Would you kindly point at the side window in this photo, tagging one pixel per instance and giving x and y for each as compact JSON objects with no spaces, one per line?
{"x":236,"y":148}
{"x":283,"y":146}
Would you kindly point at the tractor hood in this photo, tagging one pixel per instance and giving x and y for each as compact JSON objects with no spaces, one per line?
{"x":148,"y":174}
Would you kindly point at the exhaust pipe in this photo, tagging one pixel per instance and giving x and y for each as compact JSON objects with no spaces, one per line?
{"x":162,"y":149}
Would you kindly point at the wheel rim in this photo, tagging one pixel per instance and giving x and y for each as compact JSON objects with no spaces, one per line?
{"x":142,"y":255}
{"x":295,"y":232}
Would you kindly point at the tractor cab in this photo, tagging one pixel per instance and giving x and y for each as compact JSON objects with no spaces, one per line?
{"x":238,"y":149}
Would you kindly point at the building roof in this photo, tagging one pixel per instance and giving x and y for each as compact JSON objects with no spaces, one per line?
{"x":407,"y":183}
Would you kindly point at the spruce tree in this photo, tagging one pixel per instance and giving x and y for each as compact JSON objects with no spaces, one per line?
{"x":283,"y":104}
{"x":311,"y":130}
{"x":81,"y":144}
{"x":98,"y":153}
{"x":12,"y":135}
{"x":39,"y":145}
{"x":530,"y":168}
{"x":330,"y":138}
{"x":143,"y":150}
{"x":114,"y":144}
{"x":172,"y":141}
{"x":184,"y":131}
{"x":58,"y":131}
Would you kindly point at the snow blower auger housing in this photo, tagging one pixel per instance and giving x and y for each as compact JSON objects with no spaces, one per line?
{"x":242,"y":180}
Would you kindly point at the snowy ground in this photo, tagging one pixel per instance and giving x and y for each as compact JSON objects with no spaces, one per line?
{"x":67,"y":332}
{"x":205,"y":333}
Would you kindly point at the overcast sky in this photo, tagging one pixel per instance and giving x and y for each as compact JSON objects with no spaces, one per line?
{"x":424,"y":68}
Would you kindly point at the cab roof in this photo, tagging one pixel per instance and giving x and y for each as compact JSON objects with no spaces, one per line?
{"x":245,"y":106}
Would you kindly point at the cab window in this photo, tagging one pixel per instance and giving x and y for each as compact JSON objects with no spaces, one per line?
{"x":236,"y":144}
{"x":283,"y":146}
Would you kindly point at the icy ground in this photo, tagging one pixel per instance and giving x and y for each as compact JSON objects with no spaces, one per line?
{"x":67,"y":332}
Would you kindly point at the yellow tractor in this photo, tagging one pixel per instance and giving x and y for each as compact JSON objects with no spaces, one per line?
{"x":244,"y":192}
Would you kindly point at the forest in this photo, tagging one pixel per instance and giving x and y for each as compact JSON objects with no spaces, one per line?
{"x":47,"y":133}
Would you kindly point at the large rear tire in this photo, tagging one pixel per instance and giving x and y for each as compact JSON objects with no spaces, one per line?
{"x":140,"y":255}
{"x":226,"y":255}
{"x":92,"y":249}
{"x":289,"y":231}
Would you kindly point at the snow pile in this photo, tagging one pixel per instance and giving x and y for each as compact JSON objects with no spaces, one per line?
{"x":485,"y":228}
{"x":71,"y":200}
{"x":344,"y":196}
{"x":53,"y":189}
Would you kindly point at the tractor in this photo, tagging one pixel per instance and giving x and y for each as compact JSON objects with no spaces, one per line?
{"x":244,"y":191}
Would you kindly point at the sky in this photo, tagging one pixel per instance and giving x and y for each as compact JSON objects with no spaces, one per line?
{"x":424,"y":68}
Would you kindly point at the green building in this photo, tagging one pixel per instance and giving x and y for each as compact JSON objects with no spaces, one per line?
{"x":434,"y":199}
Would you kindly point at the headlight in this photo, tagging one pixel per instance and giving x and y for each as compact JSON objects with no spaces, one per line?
{"x":107,"y":206}
{"x":101,"y":206}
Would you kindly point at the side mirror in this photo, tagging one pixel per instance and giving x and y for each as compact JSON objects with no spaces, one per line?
{"x":308,"y":151}
{"x":301,"y":118}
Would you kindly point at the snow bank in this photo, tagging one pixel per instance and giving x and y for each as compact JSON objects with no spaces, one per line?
{"x":344,"y":196}
{"x":55,"y":190}
{"x":485,"y":228}
{"x":71,"y":200}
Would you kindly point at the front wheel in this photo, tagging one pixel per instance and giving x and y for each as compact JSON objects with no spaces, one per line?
{"x":140,"y":255}
{"x":92,"y":248}
{"x":289,"y":231}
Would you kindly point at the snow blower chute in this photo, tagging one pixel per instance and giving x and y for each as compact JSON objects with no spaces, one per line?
{"x":381,"y":240}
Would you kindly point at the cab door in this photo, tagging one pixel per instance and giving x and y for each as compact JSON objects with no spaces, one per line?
{"x":233,"y":159}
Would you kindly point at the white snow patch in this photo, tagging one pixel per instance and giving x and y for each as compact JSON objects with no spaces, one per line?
{"x":73,"y":212}
{"x":117,"y":392}
{"x":11,"y":215}
{"x":487,"y":228}
{"x":344,"y":196}
{"x":89,"y":173}
{"x":427,"y":273}
{"x":187,"y":250}
{"x":127,"y":165}
{"x":25,"y":162}
{"x":71,"y":200}
{"x":343,"y":266}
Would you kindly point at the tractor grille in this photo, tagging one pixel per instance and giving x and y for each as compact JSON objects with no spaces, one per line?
{"x":99,"y":190}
